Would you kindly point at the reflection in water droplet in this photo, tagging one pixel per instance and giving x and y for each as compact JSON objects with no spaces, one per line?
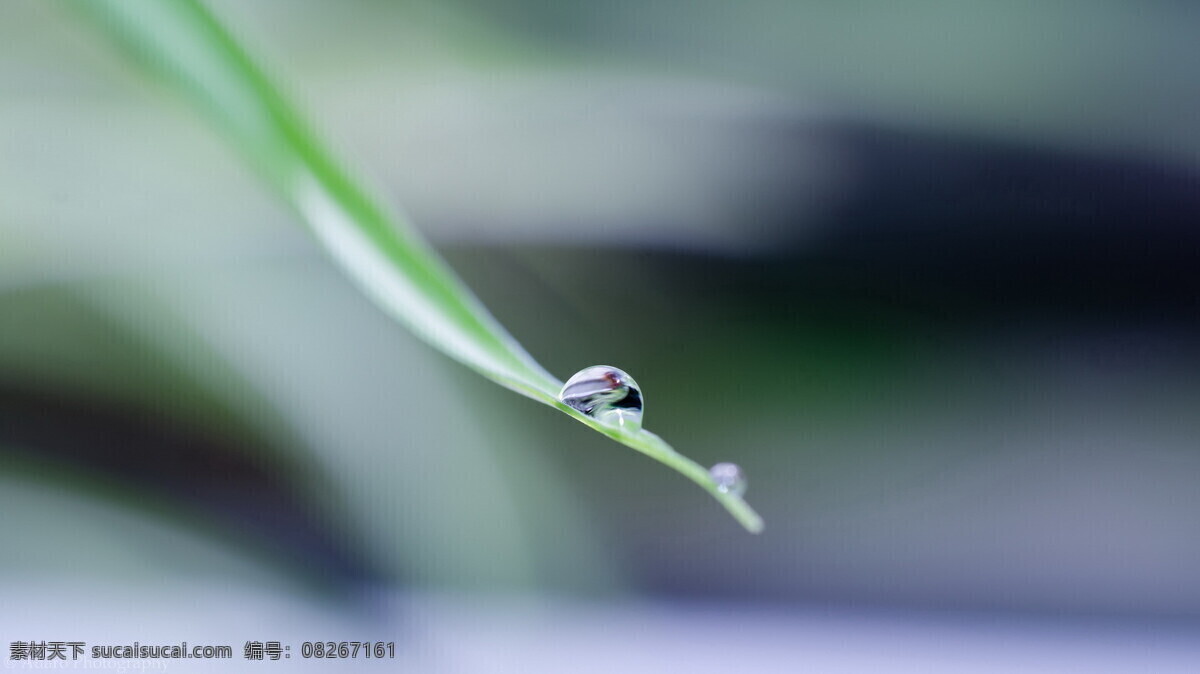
{"x":729,"y":478}
{"x":606,"y":394}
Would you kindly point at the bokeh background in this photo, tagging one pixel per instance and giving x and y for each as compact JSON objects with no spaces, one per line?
{"x":929,"y":272}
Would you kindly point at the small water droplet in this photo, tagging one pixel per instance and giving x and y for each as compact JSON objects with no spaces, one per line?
{"x":606,"y":394}
{"x":729,"y":478}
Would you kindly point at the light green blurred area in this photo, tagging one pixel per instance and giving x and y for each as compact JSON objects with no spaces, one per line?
{"x":142,"y":263}
{"x":130,"y":237}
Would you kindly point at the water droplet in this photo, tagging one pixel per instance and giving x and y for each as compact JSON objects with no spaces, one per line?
{"x":606,"y":394}
{"x":729,"y":478}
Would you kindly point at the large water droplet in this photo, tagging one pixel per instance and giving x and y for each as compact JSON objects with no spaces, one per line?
{"x":729,"y":478}
{"x":606,"y":394}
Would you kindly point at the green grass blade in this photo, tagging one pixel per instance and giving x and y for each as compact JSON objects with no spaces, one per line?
{"x":376,"y":247}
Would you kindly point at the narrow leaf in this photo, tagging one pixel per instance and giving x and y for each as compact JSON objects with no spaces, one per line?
{"x":376,"y":246}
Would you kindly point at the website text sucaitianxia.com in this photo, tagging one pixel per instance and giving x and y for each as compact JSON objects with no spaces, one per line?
{"x":74,"y":650}
{"x":167,"y":651}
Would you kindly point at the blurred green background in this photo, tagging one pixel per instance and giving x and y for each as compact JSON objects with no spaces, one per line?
{"x":928,"y":272}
